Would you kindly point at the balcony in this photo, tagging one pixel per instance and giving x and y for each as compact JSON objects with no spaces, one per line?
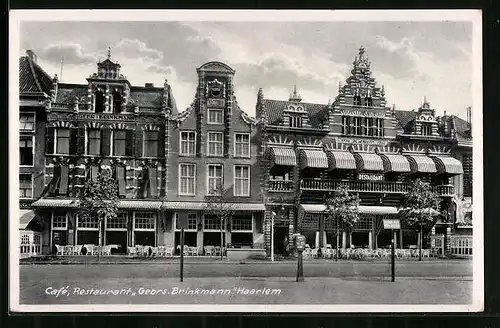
{"x":367,"y":186}
{"x":281,"y":185}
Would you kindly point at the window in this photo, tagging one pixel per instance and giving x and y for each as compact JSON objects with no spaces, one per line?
{"x":370,"y":127}
{"x":118,"y":223}
{"x":87,"y":223}
{"x":25,"y":186}
{"x":62,"y":141}
{"x":368,"y":101}
{"x":188,"y":143}
{"x":357,"y":126}
{"x":59,"y":221}
{"x":357,"y":101}
{"x":467,"y":180}
{"x":117,"y":102}
{"x":151,"y":143}
{"x":145,"y":221}
{"x":27,"y":122}
{"x":295,"y":121}
{"x":242,"y":180}
{"x":26,"y":150}
{"x":215,"y":144}
{"x":93,"y":141}
{"x":426,"y":129}
{"x":192,"y":223}
{"x":241,"y":223}
{"x":119,"y":142}
{"x":242,"y":145}
{"x":99,"y":101}
{"x":380,"y":127}
{"x":214,"y":177}
{"x":212,"y":222}
{"x":187,"y":179}
{"x":215,"y":116}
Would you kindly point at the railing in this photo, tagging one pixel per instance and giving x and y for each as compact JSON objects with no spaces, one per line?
{"x":281,"y":185}
{"x":437,"y":244}
{"x":367,"y":186}
{"x":31,"y":243}
{"x":461,"y":245}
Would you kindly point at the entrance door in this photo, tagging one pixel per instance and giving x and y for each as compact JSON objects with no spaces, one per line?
{"x":117,"y":238}
{"x":280,"y":240}
{"x":360,"y":239}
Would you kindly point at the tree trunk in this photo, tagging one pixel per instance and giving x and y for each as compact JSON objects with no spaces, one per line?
{"x":420,"y":244}
{"x":99,"y":241}
{"x":221,"y":238}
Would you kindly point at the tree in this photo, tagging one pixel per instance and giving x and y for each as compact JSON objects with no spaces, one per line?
{"x":99,"y":200}
{"x":420,"y":208}
{"x":342,"y":207}
{"x":217,"y":205}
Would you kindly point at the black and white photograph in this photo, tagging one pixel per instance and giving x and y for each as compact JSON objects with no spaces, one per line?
{"x":245,"y":161}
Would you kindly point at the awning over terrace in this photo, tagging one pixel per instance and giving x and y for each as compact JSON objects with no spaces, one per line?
{"x":25,"y":217}
{"x":282,"y":156}
{"x":395,"y":163}
{"x":340,"y":160}
{"x":421,"y":164}
{"x":448,"y":165}
{"x":369,"y":162}
{"x":202,"y":205}
{"x":312,"y":158}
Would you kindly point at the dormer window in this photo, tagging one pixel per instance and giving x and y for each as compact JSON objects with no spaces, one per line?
{"x":426,"y":129}
{"x":357,"y":101}
{"x":295,"y":121}
{"x":117,"y":102}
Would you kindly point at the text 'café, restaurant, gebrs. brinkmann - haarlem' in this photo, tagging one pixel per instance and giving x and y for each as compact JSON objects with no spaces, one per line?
{"x":278,"y":165}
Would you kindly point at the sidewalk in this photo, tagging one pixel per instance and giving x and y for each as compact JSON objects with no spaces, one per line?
{"x":121,"y":259}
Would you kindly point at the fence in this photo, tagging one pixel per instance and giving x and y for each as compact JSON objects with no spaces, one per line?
{"x":31,"y":243}
{"x":437,"y":245}
{"x":461,"y":245}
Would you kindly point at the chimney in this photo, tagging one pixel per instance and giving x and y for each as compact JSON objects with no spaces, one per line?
{"x":31,"y":55}
{"x":469,"y":115}
{"x":149,"y":85}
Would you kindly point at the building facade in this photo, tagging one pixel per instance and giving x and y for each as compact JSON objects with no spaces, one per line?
{"x":308,"y":150}
{"x":279,"y":165}
{"x":105,"y":125}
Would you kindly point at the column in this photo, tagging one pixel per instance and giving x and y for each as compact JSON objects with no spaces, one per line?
{"x":199,"y":238}
{"x":350,"y":239}
{"x":370,"y":239}
{"x":448,"y":241}
{"x":401,"y":238}
{"x":395,"y":239}
{"x":267,"y":231}
{"x":291,"y":228}
{"x":344,"y":239}
{"x":106,"y":99}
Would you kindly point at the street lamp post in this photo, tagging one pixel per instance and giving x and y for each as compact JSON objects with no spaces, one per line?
{"x":273,"y":214}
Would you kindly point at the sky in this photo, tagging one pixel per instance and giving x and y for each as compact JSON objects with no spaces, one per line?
{"x":412,"y":60}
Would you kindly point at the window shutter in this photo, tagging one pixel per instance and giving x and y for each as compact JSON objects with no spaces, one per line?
{"x":63,"y":185}
{"x":129,"y":143}
{"x":105,"y":142}
{"x":81,"y":140}
{"x":138,"y":142}
{"x":73,"y":141}
{"x":120,"y":176}
{"x":49,"y":141}
{"x":153,"y":185}
{"x":161,"y":144}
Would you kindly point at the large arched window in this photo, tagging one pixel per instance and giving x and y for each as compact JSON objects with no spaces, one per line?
{"x":99,"y":101}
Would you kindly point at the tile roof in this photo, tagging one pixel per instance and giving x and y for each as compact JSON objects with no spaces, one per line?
{"x":404,"y":119}
{"x":32,"y":78}
{"x":462,"y":128}
{"x":67,"y":93}
{"x":147,"y":97}
{"x":274,"y":111}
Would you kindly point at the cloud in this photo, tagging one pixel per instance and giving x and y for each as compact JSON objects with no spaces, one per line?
{"x":71,"y":52}
{"x":132,"y":48}
{"x":165,"y":70}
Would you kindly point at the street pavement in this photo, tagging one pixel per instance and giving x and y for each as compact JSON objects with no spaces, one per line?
{"x":327,"y":282}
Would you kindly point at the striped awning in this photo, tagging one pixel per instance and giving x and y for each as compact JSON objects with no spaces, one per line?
{"x":395,"y":163}
{"x":369,"y":162}
{"x":25,"y":217}
{"x":282,"y":156}
{"x":448,"y":165}
{"x":341,"y":160}
{"x":202,"y":205}
{"x":312,"y":158}
{"x":319,"y":208}
{"x":421,"y":164}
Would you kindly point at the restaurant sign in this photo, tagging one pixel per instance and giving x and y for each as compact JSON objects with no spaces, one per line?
{"x":362,"y":141}
{"x":117,"y":117}
{"x":392,"y":224}
{"x":371,"y":176}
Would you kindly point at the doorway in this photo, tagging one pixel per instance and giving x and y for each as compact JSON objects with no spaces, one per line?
{"x":280,"y":240}
{"x":117,"y":238}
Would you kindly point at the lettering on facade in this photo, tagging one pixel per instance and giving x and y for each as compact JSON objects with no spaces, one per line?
{"x":371,"y":177}
{"x":218,"y":103}
{"x":117,"y":117}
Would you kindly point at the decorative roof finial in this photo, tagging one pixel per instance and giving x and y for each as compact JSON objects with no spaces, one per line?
{"x":109,"y":52}
{"x":295,"y":96}
{"x":361,"y":52}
